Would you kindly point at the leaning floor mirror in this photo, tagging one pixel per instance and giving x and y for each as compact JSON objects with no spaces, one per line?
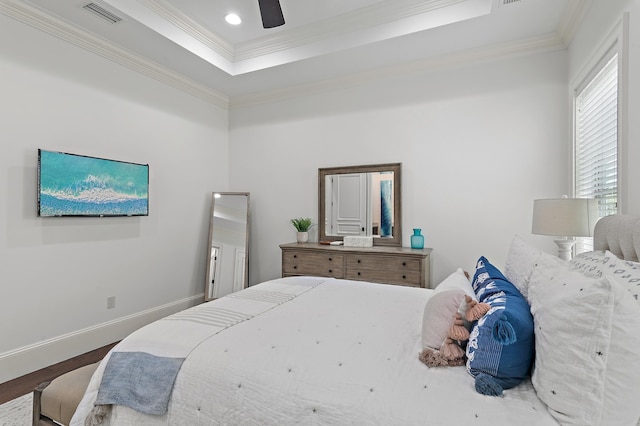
{"x":228,"y":254}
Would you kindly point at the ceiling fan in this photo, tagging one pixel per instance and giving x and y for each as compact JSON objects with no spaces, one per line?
{"x":271,"y":13}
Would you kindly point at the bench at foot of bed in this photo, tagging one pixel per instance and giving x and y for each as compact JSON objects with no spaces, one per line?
{"x":55,"y":402}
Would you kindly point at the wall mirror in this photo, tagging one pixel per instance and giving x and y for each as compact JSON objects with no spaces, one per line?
{"x":228,"y":254}
{"x":360,"y":200}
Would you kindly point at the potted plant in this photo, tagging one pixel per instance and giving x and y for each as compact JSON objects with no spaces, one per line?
{"x":302,"y":225}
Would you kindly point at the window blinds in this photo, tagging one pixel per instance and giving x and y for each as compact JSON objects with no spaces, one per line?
{"x":596,"y":139}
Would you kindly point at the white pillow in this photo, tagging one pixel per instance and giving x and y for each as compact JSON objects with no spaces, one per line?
{"x":599,"y":263}
{"x":622,"y":385}
{"x":627,"y":274}
{"x":587,"y":350}
{"x":521,"y":259}
{"x":593,"y":263}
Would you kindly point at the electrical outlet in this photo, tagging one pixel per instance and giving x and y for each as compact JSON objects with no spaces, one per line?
{"x":111,"y":302}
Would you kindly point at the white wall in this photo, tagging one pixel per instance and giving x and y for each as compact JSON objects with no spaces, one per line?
{"x":56,"y":273}
{"x":601,"y":19}
{"x":477,"y":144}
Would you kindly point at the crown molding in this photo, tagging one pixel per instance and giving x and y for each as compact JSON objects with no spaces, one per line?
{"x":572,"y":19}
{"x":51,"y":25}
{"x":176,"y":17}
{"x":357,"y":20}
{"x":550,"y":42}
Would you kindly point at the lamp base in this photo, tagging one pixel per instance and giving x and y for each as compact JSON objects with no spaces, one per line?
{"x":564,"y":248}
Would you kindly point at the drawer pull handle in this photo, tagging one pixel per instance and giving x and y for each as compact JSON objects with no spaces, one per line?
{"x":330,"y":270}
{"x":404,"y":277}
{"x":358,"y":273}
{"x":330,"y":259}
{"x":295,"y":267}
{"x":404,"y":263}
{"x":358,"y":260}
{"x":295,"y":256}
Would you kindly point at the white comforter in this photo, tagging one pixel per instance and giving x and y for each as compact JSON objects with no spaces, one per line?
{"x":313,"y":351}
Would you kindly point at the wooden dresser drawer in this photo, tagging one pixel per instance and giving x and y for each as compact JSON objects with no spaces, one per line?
{"x":374,"y":262}
{"x":384,"y":269}
{"x":312,"y":263}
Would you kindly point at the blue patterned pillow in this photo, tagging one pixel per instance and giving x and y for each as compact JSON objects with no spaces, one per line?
{"x":501,"y":346}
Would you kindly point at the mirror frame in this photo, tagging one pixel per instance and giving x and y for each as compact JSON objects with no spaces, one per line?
{"x":207,"y":288}
{"x":396,"y":168}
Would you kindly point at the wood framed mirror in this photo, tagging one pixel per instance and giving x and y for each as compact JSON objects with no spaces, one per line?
{"x":361,"y":201}
{"x":228,"y":250}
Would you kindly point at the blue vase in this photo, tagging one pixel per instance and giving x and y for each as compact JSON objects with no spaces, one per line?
{"x":417,"y":239}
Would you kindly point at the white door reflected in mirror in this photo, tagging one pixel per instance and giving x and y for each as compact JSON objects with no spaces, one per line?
{"x":359,"y":204}
{"x":227,"y":259}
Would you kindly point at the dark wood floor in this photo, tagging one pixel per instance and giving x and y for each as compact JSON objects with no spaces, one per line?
{"x":25,"y":384}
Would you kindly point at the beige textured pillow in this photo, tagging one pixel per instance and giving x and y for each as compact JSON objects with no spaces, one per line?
{"x":439,"y":314}
{"x":447,"y":300}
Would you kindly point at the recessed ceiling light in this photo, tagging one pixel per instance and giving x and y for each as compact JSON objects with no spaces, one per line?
{"x":233,"y":19}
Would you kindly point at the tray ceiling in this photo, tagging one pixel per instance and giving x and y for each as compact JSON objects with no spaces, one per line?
{"x":190,"y":43}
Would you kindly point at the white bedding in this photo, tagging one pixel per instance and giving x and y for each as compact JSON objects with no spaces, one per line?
{"x":315,"y":351}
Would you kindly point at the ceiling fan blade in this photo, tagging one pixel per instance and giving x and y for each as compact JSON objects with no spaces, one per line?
{"x":271,"y":13}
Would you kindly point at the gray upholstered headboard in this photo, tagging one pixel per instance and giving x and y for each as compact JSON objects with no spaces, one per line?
{"x":620,"y":234}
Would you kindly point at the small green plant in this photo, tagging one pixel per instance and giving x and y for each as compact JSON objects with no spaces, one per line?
{"x":302,"y":224}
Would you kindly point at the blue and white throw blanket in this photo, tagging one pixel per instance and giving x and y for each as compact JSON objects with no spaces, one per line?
{"x":139,"y":380}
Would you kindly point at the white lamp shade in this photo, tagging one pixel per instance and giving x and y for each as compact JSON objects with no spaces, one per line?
{"x":566,"y":217}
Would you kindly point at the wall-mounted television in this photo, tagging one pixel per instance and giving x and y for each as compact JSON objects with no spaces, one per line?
{"x":79,"y":185}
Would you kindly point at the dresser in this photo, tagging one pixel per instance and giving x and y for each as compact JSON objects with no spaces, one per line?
{"x":379,"y":264}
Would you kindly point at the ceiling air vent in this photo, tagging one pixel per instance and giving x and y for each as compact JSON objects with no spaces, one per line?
{"x":504,"y":3}
{"x":102,"y":13}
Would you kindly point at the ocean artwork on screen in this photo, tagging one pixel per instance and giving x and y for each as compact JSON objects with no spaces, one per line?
{"x":78,"y":185}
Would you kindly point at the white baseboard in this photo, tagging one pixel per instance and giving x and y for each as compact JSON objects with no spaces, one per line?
{"x":27,"y":359}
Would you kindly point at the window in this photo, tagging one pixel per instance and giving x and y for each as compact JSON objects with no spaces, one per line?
{"x":596,"y":139}
{"x":596,"y":159}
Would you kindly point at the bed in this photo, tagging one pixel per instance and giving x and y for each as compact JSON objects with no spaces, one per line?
{"x":323,"y":351}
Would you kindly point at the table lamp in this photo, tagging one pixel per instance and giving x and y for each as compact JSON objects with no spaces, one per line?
{"x":567,"y":218}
